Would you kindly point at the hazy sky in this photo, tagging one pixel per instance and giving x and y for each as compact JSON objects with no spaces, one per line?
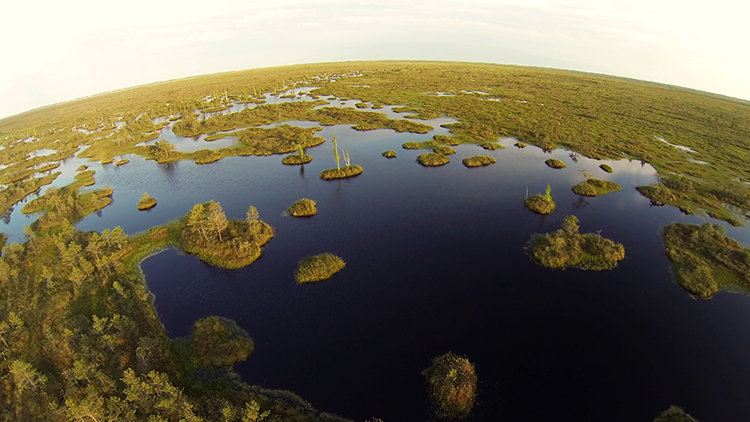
{"x":60,"y":50}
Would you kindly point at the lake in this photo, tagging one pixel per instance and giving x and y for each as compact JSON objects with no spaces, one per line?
{"x":436,"y":263}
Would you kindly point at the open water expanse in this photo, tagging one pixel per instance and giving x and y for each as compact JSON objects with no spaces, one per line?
{"x":436,"y":263}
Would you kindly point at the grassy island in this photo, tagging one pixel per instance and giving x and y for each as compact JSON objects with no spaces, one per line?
{"x":555,"y":163}
{"x":606,"y":167}
{"x":491,"y":146}
{"x":318,"y":267}
{"x":595,"y":187}
{"x":452,"y":386}
{"x":432,"y":159}
{"x":341,"y":173}
{"x":122,"y":162}
{"x":389,"y":154}
{"x":444,"y":149}
{"x":294,"y":159}
{"x":147,"y":202}
{"x":220,"y":342}
{"x":478,"y":161}
{"x":520,"y":145}
{"x":566,"y":248}
{"x":675,"y":414}
{"x":303,"y":208}
{"x":541,"y":204}
{"x":705,"y":260}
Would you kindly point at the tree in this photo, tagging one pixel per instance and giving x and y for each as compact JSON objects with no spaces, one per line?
{"x":570,"y":225}
{"x":335,"y":150}
{"x":217,"y":217}
{"x":220,"y":342}
{"x":252,"y":215}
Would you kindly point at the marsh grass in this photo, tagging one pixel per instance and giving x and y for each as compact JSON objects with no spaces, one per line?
{"x":452,"y":386}
{"x":606,"y":167}
{"x":520,"y":145}
{"x":447,"y":140}
{"x":318,"y":267}
{"x":341,"y":173}
{"x":432,"y":159}
{"x":147,"y":202}
{"x":540,"y":204}
{"x":303,"y":208}
{"x":555,"y":163}
{"x":491,"y":146}
{"x":595,"y":187}
{"x":566,"y":248}
{"x":122,"y":162}
{"x":295,"y":159}
{"x":443,"y":149}
{"x":478,"y":161}
{"x":389,"y":154}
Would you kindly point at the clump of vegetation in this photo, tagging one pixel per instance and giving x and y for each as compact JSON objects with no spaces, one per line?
{"x":606,"y":167}
{"x":360,"y":105}
{"x":389,"y":154}
{"x":541,"y":204}
{"x":340,"y":172}
{"x":220,"y":342}
{"x":432,"y":159}
{"x":478,"y":161}
{"x":410,"y":145}
{"x":147,"y":202}
{"x":447,"y":140}
{"x":318,"y":267}
{"x":595,"y":187}
{"x":705,"y":260}
{"x":296,"y":159}
{"x":443,"y":149}
{"x":520,"y":145}
{"x":555,"y":163}
{"x":122,"y":162}
{"x":452,"y":386}
{"x":303,"y":208}
{"x":82,"y":167}
{"x":491,"y":146}
{"x":675,"y":414}
{"x":566,"y":248}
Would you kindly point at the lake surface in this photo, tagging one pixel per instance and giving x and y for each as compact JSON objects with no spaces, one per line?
{"x":435,"y":263}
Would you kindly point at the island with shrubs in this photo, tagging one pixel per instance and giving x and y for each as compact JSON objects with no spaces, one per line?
{"x":318,"y":267}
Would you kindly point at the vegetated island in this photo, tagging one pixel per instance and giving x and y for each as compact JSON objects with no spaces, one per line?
{"x":606,"y":167}
{"x":298,"y":158}
{"x":491,"y":146}
{"x":389,"y":154}
{"x":444,"y":149}
{"x":339,"y":172}
{"x":675,"y":414}
{"x":452,"y":386}
{"x":595,"y":187}
{"x":555,"y":163}
{"x":431,"y":159}
{"x":147,"y":202}
{"x":705,"y":260}
{"x":303,"y":208}
{"x":566,"y":248}
{"x":541,"y":204}
{"x":220,"y":342}
{"x":520,"y":145}
{"x":318,"y":267}
{"x":478,"y":161}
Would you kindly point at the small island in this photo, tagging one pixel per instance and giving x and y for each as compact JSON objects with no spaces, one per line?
{"x":675,"y":414}
{"x":341,"y":173}
{"x":297,"y":159}
{"x":595,"y":187}
{"x":555,"y":163}
{"x":444,"y":149}
{"x":389,"y":154}
{"x":566,"y":248}
{"x":431,"y":159}
{"x":122,"y":162}
{"x":318,"y":267}
{"x":541,"y":204}
{"x":478,"y":161}
{"x":303,"y":208}
{"x":491,"y":146}
{"x":147,"y":202}
{"x":520,"y":145}
{"x":606,"y":167}
{"x":219,"y":342}
{"x":452,"y":386}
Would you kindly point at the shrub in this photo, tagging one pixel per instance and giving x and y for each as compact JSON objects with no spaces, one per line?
{"x":342,"y":173}
{"x":606,"y":168}
{"x":478,"y":161}
{"x":443,"y":149}
{"x":318,"y":267}
{"x":555,"y":163}
{"x":452,"y":386}
{"x":220,"y":342}
{"x":432,"y":159}
{"x":147,"y":201}
{"x":303,"y":208}
{"x":675,"y":414}
{"x":389,"y":154}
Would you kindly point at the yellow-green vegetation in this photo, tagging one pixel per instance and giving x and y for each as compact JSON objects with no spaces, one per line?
{"x":389,"y":154}
{"x":16,"y":191}
{"x":220,"y":342}
{"x":420,"y":145}
{"x":520,"y":145}
{"x":121,"y":162}
{"x":360,"y":105}
{"x":82,"y":167}
{"x":147,"y":202}
{"x":452,"y":386}
{"x":208,"y":234}
{"x":297,"y":159}
{"x":555,"y":163}
{"x":491,"y":146}
{"x":303,"y":208}
{"x":318,"y":267}
{"x":675,"y":414}
{"x":448,"y":140}
{"x":444,"y":150}
{"x":541,"y":204}
{"x":606,"y":167}
{"x":341,"y":173}
{"x":432,"y":159}
{"x":478,"y":161}
{"x":566,"y":248}
{"x":705,"y":260}
{"x":595,"y":187}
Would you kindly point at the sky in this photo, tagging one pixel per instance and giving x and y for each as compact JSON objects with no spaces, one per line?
{"x":56,"y":51}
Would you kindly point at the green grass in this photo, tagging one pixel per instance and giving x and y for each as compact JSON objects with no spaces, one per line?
{"x":389,"y":154}
{"x":432,"y":159}
{"x":595,"y":187}
{"x":342,"y":173}
{"x":420,"y":145}
{"x":452,"y":386}
{"x":478,"y":161}
{"x":147,"y":202}
{"x":491,"y":146}
{"x":555,"y":163}
{"x":303,"y":208}
{"x":566,"y":248}
{"x":444,"y":150}
{"x":318,"y":267}
{"x":606,"y":167}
